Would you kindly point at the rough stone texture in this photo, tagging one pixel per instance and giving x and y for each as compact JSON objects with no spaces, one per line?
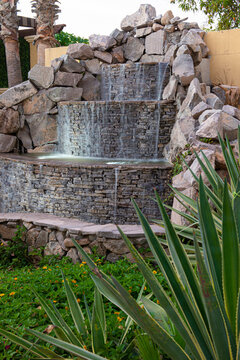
{"x":91,"y":87}
{"x":143,"y":32}
{"x":157,"y":27}
{"x":152,"y":58}
{"x":9,"y":121}
{"x":103,"y":56}
{"x":93,"y":66}
{"x":54,"y":248}
{"x":7,"y":143}
{"x":166,"y":18}
{"x":117,"y":35}
{"x":43,"y":128}
{"x":6,"y":232}
{"x":25,"y":137}
{"x":41,"y":76}
{"x":118,"y":55}
{"x":155,"y":43}
{"x":214,"y":101}
{"x":206,"y":114}
{"x":133,"y":129}
{"x":37,"y":103}
{"x":230,"y":126}
{"x":80,"y":51}
{"x":134,"y":81}
{"x":68,"y":64}
{"x":211,"y":127}
{"x":133,"y":49}
{"x":169,"y":28}
{"x":139,"y":18}
{"x":171,"y":54}
{"x":183,"y":68}
{"x":101,"y":42}
{"x":199,"y":109}
{"x":67,"y":79}
{"x":217,"y":90}
{"x":89,"y":192}
{"x":42,"y":239}
{"x":17,"y":94}
{"x":231,"y":110}
{"x":183,"y":49}
{"x":169,"y":92}
{"x":58,"y":94}
{"x":194,"y":95}
{"x":73,"y":254}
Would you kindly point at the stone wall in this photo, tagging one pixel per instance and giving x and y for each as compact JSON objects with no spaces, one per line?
{"x":124,"y":130}
{"x":91,"y":192}
{"x":54,"y":235}
{"x":134,"y":81}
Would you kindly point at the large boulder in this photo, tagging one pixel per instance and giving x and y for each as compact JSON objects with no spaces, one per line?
{"x":206,"y":114}
{"x":141,"y":17}
{"x":171,"y":54}
{"x":211,"y":127}
{"x":43,"y":128}
{"x":217,"y":90}
{"x":58,"y":94}
{"x":68,"y":64}
{"x":152,"y":58}
{"x":37,"y":103}
{"x":103,"y":56}
{"x":118,"y":55}
{"x":214,"y":101}
{"x":167,"y":17}
{"x":230,"y":126}
{"x":133,"y":49}
{"x":91,"y":87}
{"x":25,"y":137}
{"x":17,"y":94}
{"x":7,"y":143}
{"x":118,"y":35}
{"x":199,"y":109}
{"x":101,"y":42}
{"x":155,"y":43}
{"x":231,"y":110}
{"x":67,"y":79}
{"x":9,"y":121}
{"x":80,"y":51}
{"x":194,"y":95}
{"x":183,"y":67}
{"x":143,"y":32}
{"x":93,"y":66}
{"x":41,"y":76}
{"x":195,"y":42}
{"x":169,"y":93}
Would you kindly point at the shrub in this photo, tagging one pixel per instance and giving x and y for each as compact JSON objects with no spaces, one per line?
{"x":66,"y":39}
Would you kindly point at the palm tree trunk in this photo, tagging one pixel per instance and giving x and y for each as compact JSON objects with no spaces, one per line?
{"x":13,"y":62}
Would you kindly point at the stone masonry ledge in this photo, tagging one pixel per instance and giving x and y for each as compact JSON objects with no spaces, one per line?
{"x":75,"y":226}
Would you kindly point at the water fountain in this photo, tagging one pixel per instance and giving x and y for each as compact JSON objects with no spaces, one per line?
{"x":112,"y":151}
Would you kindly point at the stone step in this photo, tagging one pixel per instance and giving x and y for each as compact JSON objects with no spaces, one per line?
{"x":134,"y":81}
{"x":75,"y":226}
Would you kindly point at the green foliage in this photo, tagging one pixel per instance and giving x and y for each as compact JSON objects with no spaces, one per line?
{"x":225,"y":12}
{"x":25,"y":61}
{"x":206,"y":140}
{"x":15,"y":253}
{"x":66,"y":39}
{"x":178,"y":163}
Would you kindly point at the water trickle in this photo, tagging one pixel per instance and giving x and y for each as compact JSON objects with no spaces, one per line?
{"x":162,"y":68}
{"x":121,"y":80}
{"x":158,"y":121}
{"x":116,"y":173}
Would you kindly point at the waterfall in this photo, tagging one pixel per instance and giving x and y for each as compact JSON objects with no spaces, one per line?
{"x":116,"y":173}
{"x":162,"y":68}
{"x":158,"y":121}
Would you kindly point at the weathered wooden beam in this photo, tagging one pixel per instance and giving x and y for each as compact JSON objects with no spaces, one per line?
{"x":26,"y":22}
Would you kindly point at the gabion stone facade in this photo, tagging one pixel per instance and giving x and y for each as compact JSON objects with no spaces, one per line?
{"x":93,"y":192}
{"x":115,"y":129}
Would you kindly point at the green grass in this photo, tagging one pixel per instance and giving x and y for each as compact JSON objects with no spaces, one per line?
{"x":19,"y":308}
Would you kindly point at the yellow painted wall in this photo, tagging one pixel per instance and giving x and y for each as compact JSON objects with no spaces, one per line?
{"x":53,"y":53}
{"x":224,"y":49}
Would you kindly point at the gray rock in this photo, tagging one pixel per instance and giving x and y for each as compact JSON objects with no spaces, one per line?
{"x":145,"y":14}
{"x":118,"y":35}
{"x":91,"y":87}
{"x":31,"y":236}
{"x":67,"y":79}
{"x":41,"y":76}
{"x":37,"y":103}
{"x":101,"y":42}
{"x":155,"y":43}
{"x":230,"y":126}
{"x":194,"y":95}
{"x":43,"y":128}
{"x":103,"y":56}
{"x":56,"y":63}
{"x":199,"y":109}
{"x":118,"y":55}
{"x":80,"y":51}
{"x":53,"y":248}
{"x":7,"y":143}
{"x":25,"y":137}
{"x":231,"y":110}
{"x":42,"y":239}
{"x":206,"y":114}
{"x":184,"y":49}
{"x":9,"y":121}
{"x":143,"y":32}
{"x":46,"y":148}
{"x":187,"y":26}
{"x":158,"y":19}
{"x":58,"y":94}
{"x":214,"y":101}
{"x":166,"y":18}
{"x":152,"y":58}
{"x":217,"y":90}
{"x":194,"y":40}
{"x":93,"y":66}
{"x":183,"y":67}
{"x":169,"y":28}
{"x":171,"y":54}
{"x":133,"y":49}
{"x":211,"y":127}
{"x":116,"y":246}
{"x":17,"y":94}
{"x":157,"y":27}
{"x":169,"y":93}
{"x":73,"y":254}
{"x":70,"y":65}
{"x":204,"y":69}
